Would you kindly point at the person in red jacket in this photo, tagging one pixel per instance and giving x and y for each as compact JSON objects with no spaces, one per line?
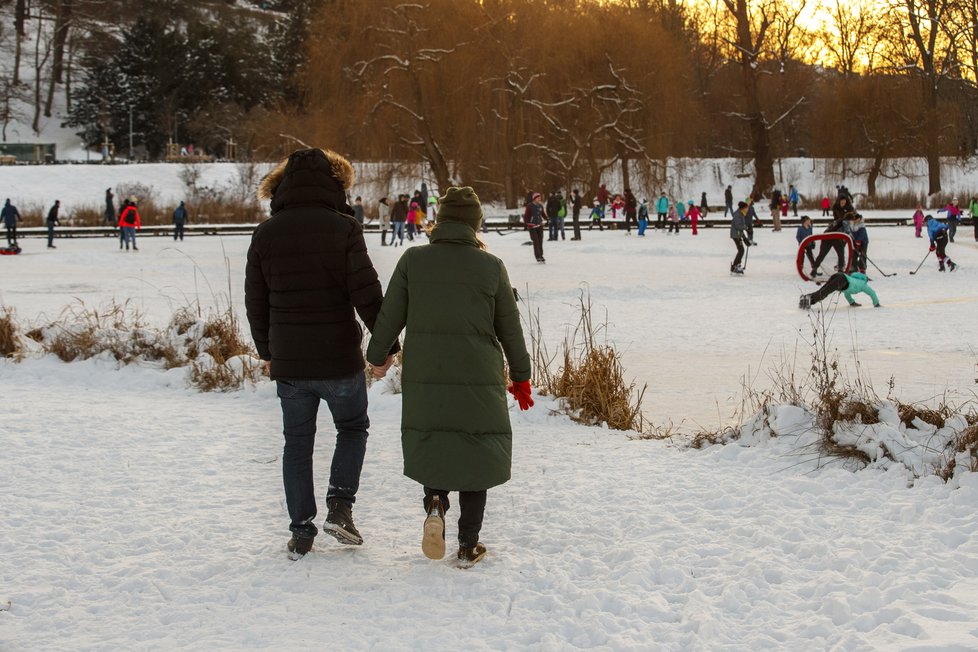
{"x":826,"y":206}
{"x":129,"y":223}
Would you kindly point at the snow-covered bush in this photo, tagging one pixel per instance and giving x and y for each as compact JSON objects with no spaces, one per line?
{"x":211,"y":348}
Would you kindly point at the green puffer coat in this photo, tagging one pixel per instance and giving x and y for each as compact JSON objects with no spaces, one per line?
{"x":456,"y":302}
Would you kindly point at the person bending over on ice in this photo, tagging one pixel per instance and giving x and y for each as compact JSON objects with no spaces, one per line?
{"x":458,"y":308}
{"x":848,"y":284}
{"x":938,"y":241}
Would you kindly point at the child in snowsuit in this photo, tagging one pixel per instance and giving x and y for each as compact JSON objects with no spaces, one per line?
{"x":596,"y":216}
{"x":414,"y":219}
{"x":938,"y":242}
{"x":673,"y":218}
{"x":918,"y":220}
{"x":681,"y":211}
{"x":826,"y":206}
{"x":456,"y":305}
{"x":805,"y":230}
{"x":643,"y":216}
{"x":848,"y":284}
{"x":694,"y":215}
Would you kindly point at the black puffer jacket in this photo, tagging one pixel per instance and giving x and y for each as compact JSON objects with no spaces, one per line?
{"x":307,"y":271}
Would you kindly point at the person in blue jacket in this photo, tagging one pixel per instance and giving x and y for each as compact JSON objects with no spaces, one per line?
{"x":179,"y":220}
{"x":805,"y":230}
{"x":661,"y":210}
{"x":847,"y":284}
{"x":938,"y":241}
{"x":860,"y":241}
{"x":793,"y":199}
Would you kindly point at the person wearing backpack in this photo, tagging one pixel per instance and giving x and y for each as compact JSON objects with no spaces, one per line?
{"x":129,"y":223}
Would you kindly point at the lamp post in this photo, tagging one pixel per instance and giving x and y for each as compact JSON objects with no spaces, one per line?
{"x":130,"y":132}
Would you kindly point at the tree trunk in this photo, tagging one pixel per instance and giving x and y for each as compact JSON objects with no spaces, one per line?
{"x":62,"y":24}
{"x":20,"y":31}
{"x":763,"y":161}
{"x":932,"y":140}
{"x":625,"y":176}
{"x":874,"y":174}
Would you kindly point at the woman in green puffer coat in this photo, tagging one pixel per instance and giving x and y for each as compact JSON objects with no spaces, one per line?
{"x":458,"y":308}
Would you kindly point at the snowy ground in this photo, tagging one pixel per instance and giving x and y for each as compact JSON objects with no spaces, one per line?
{"x":140,"y":514}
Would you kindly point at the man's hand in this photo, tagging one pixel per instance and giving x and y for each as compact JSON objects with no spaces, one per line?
{"x":381,"y":371}
{"x":266,"y":367}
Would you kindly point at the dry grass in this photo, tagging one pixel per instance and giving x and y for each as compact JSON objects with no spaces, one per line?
{"x":936,"y":417}
{"x":10,"y":343}
{"x":218,"y":356}
{"x":590,"y":378}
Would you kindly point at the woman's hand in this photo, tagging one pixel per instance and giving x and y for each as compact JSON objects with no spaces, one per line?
{"x":381,"y":371}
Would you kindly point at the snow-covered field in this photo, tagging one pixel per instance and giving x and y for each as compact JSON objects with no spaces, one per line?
{"x":137,"y":513}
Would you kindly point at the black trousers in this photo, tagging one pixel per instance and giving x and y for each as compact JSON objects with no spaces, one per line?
{"x":860,"y":251}
{"x":536,"y":236}
{"x":472,"y":508}
{"x":827,"y":246}
{"x":808,"y":253}
{"x":12,"y":235}
{"x":629,"y":220}
{"x":740,"y":251}
{"x":836,"y":283}
{"x":577,"y":224}
{"x":941,"y":242}
{"x":660,"y":220}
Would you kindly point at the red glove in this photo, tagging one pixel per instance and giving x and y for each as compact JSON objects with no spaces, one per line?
{"x":520,"y":389}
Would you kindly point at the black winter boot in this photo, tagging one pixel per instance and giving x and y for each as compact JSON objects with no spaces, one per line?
{"x":339,"y":522}
{"x":470,"y":555}
{"x":299,"y":546}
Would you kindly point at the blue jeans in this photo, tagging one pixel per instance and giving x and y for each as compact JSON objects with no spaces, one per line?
{"x":129,"y":235}
{"x":346,"y":399}
{"x":50,"y":234}
{"x":397,"y":231}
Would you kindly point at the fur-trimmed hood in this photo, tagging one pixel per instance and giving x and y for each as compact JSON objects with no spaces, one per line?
{"x":309,"y":177}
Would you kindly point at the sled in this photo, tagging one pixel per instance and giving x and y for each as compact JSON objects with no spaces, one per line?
{"x":9,"y":251}
{"x":816,"y":237}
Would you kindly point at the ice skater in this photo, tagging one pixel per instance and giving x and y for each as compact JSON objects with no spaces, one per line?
{"x":938,"y":242}
{"x":847,"y":284}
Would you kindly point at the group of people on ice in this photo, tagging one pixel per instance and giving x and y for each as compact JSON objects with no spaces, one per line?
{"x":408,"y":216}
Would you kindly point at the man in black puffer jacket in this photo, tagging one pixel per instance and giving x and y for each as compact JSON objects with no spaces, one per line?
{"x":307,"y":272}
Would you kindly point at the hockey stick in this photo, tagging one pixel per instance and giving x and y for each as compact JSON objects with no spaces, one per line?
{"x":870,"y":260}
{"x":746,"y":255}
{"x":921,"y":263}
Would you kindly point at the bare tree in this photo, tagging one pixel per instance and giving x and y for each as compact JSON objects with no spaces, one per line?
{"x":851,"y":35}
{"x":753,"y":25}
{"x":929,"y":52}
{"x":398,"y":79}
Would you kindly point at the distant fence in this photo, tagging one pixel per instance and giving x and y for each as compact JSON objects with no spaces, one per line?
{"x":497,"y":222}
